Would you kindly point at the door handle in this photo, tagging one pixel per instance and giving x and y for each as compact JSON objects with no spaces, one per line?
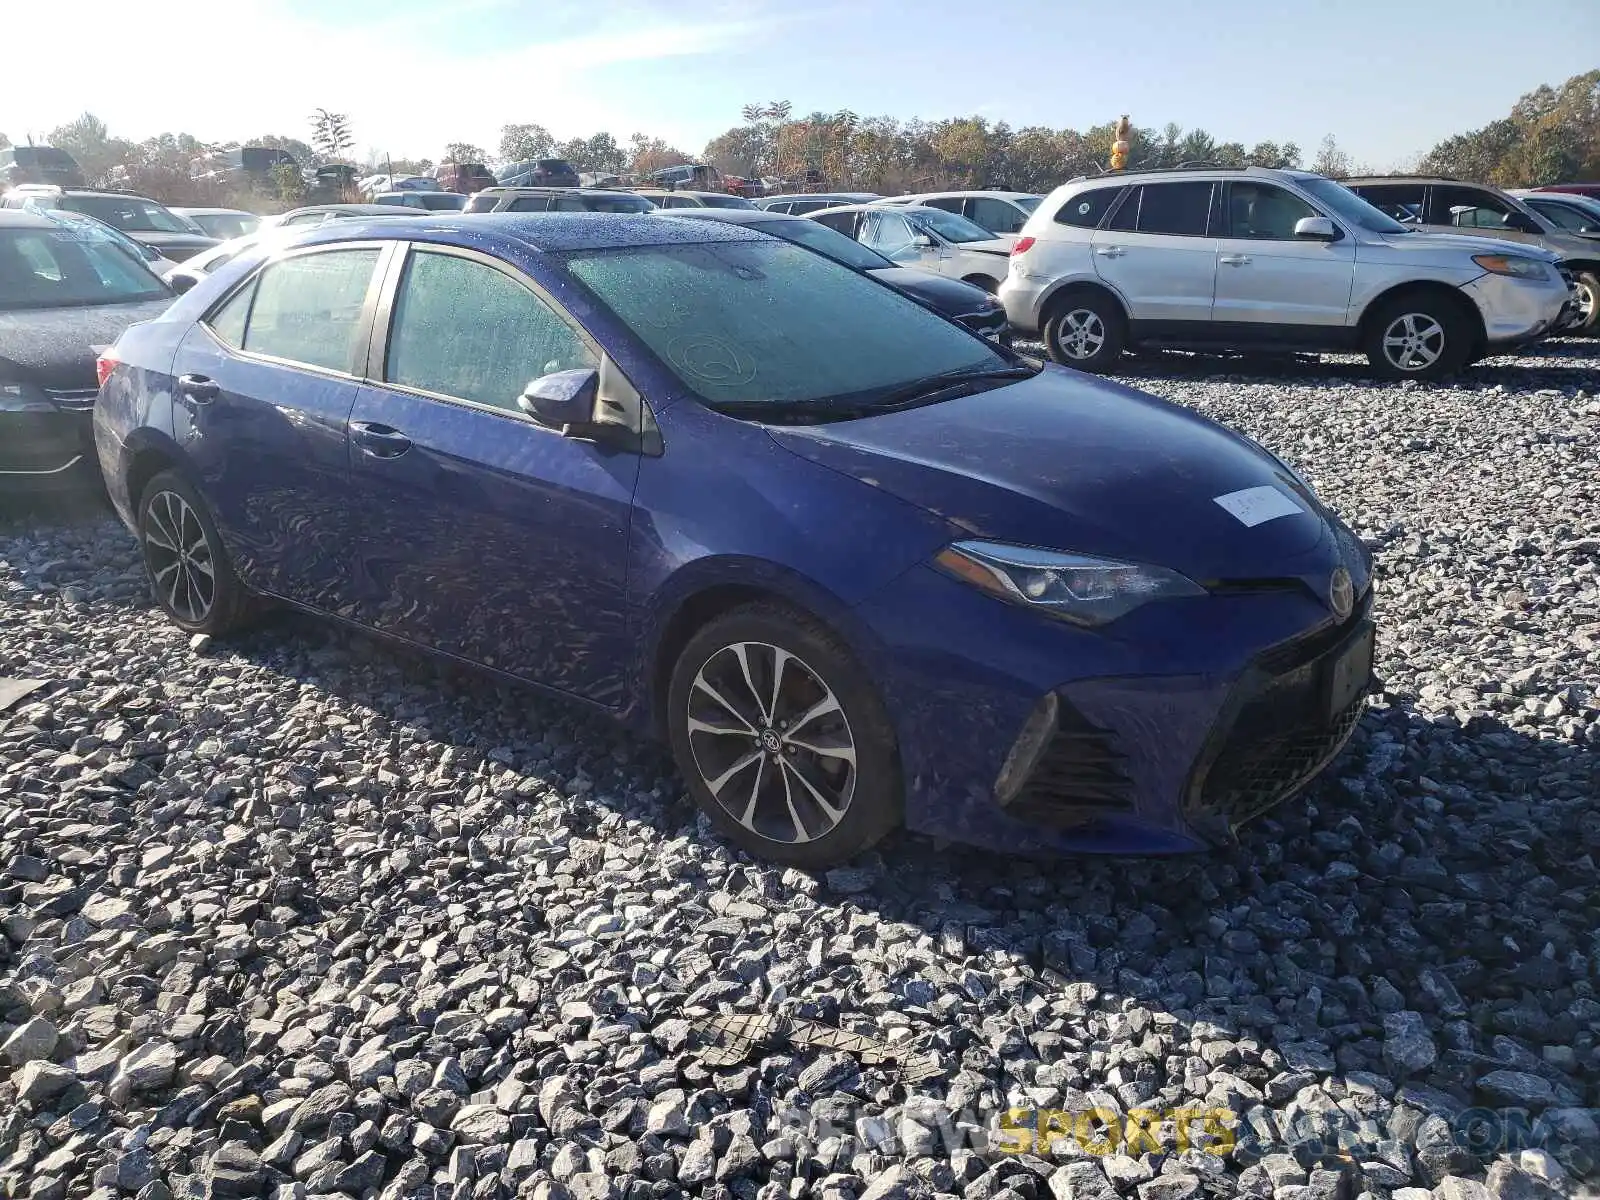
{"x":1235,"y":260}
{"x":379,"y":441}
{"x":198,"y":388}
{"x":1110,"y":251}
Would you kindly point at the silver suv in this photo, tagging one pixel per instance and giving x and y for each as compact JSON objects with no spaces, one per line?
{"x":1259,"y":260}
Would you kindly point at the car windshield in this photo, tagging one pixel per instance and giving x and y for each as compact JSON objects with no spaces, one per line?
{"x":67,"y":267}
{"x":128,"y":213}
{"x":225,"y":225}
{"x":620,"y":203}
{"x":1350,"y":207}
{"x":442,"y":200}
{"x":765,"y":325}
{"x":952,"y":227}
{"x":814,"y":235}
{"x":715,"y":201}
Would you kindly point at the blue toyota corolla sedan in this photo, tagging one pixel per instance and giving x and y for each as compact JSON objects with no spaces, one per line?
{"x":856,"y":565}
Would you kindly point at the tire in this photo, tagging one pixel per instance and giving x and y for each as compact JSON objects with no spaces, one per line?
{"x":1086,"y":331}
{"x":1589,"y":289}
{"x":1418,"y":336}
{"x":728,"y":742}
{"x":179,"y":543}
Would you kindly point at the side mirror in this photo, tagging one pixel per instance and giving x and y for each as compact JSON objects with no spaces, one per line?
{"x":923,"y":242}
{"x":1317,"y":229}
{"x":182,"y":283}
{"x":1519,"y":222}
{"x":564,"y":400}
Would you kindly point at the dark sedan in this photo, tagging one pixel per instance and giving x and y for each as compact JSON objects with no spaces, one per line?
{"x":144,"y":220}
{"x":858,"y":566}
{"x":953,"y":298}
{"x":64,"y":296}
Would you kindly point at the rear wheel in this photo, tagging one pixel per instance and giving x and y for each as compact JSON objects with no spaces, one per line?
{"x":190,"y":573}
{"x":1085,"y":331}
{"x":782,"y":738}
{"x":1420,"y":336}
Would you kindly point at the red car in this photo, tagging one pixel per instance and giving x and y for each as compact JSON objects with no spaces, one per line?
{"x":465,"y":178}
{"x":1591,"y":190}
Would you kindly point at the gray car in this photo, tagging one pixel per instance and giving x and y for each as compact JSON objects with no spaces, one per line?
{"x":1437,"y":203}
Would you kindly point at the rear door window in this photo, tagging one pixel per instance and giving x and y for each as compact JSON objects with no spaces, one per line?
{"x":529,"y":204}
{"x":308,"y":308}
{"x":995,"y":215}
{"x":1175,"y":208}
{"x":1401,"y":201}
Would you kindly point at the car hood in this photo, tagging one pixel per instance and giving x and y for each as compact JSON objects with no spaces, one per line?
{"x":1424,"y":242}
{"x":1071,"y":463}
{"x":56,"y":347}
{"x":952,"y":297}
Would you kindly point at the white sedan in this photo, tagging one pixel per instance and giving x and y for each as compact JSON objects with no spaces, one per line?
{"x":929,"y":238}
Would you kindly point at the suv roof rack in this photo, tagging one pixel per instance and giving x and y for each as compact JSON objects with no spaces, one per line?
{"x":1193,"y":165}
{"x":1413,"y":175}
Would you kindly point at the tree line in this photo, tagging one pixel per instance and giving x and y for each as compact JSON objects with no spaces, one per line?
{"x":1551,"y":134}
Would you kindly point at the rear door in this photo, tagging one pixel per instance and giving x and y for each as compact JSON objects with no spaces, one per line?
{"x":995,"y":215}
{"x":1154,"y":250}
{"x":264,"y":386}
{"x":476,"y":530}
{"x":1268,"y":277}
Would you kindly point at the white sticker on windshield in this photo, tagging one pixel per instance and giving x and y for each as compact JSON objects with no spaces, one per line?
{"x":1254,"y":506}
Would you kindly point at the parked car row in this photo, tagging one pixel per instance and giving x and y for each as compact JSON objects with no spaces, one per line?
{"x":702,"y":472}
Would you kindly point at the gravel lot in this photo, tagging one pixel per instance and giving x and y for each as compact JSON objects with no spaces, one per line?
{"x":296,"y":915}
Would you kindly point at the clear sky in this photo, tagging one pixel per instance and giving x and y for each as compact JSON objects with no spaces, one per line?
{"x":1387,"y":79}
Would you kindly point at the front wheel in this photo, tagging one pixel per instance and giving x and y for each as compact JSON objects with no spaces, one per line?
{"x":1086,"y":332}
{"x":782,"y":738}
{"x":190,"y":573}
{"x":1418,"y":337}
{"x":1587,"y":322}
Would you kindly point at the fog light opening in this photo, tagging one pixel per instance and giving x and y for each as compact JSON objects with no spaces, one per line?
{"x":1026,"y":751}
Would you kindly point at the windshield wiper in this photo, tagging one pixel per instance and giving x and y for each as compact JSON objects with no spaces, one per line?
{"x":926,"y":391}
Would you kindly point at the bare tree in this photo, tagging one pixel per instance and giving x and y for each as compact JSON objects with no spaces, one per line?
{"x":1331,"y":159}
{"x":330,"y":133}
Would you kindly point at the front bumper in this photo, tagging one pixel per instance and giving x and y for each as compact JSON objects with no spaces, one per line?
{"x":1162,"y":735}
{"x":1516,"y":312}
{"x":990,"y":324}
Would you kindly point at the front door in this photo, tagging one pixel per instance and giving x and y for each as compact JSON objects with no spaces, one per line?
{"x":478,"y":531}
{"x":264,"y":385}
{"x":1266,"y":276}
{"x":1473,"y":210}
{"x":1154,"y":251}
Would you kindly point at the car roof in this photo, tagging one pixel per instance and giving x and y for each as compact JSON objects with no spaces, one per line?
{"x":876,"y":207}
{"x":534,"y":189}
{"x":1417,"y":179}
{"x":854,"y":197}
{"x":374,"y":209}
{"x":546,"y":233}
{"x":734,"y":216}
{"x":996,"y":193}
{"x":210,"y":212}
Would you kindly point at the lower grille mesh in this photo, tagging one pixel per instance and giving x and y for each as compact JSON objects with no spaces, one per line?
{"x":1078,"y":777}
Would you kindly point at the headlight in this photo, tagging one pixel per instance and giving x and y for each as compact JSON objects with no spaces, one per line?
{"x":1077,"y":587}
{"x":1513,"y":265}
{"x":23,"y":397}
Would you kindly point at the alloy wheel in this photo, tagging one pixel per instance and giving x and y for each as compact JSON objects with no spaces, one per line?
{"x":1082,"y":333}
{"x":1413,"y":342}
{"x":180,"y":557}
{"x":771,"y":742}
{"x":1587,"y":302}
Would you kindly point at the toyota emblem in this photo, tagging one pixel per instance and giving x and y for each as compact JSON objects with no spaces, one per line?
{"x":1341,"y":593}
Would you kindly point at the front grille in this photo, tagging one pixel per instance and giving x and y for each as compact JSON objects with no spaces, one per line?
{"x":1274,"y":734}
{"x":1078,"y":776}
{"x":1266,"y":760}
{"x":74,"y":398}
